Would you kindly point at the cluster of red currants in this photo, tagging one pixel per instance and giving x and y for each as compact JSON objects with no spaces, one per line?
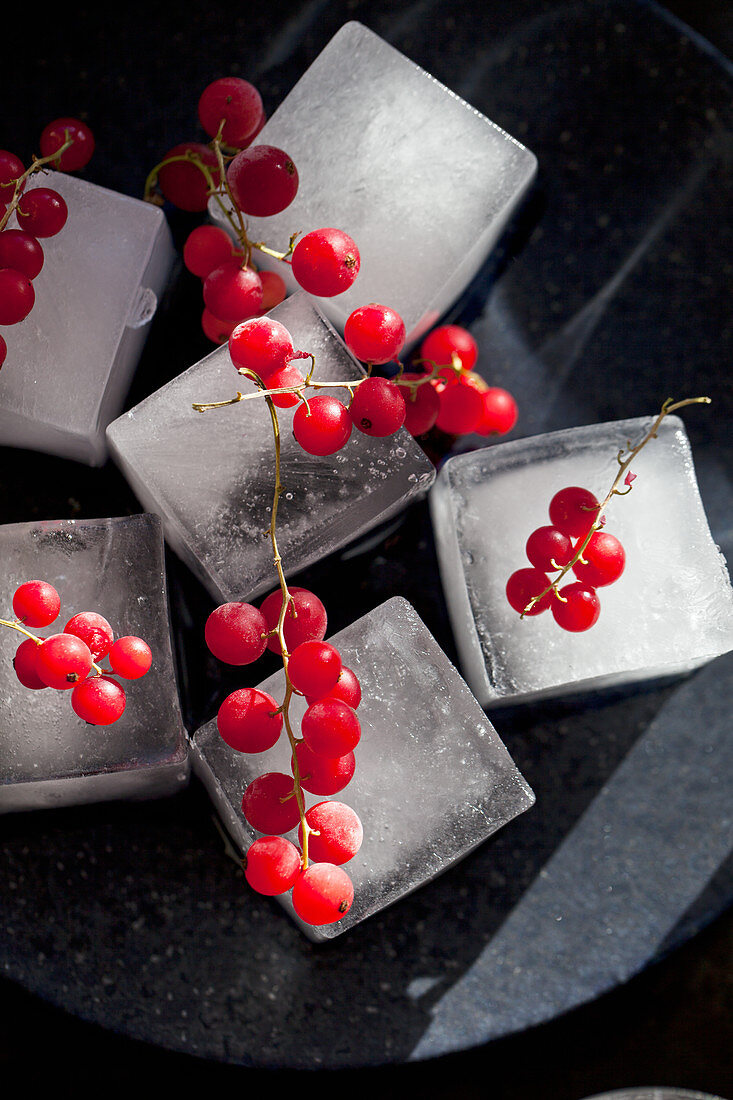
{"x":322,"y":759}
{"x":40,"y":212}
{"x":257,"y":182}
{"x":574,"y":541}
{"x":64,"y":661}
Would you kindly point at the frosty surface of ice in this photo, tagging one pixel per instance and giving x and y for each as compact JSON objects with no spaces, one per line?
{"x":432,"y":778}
{"x":70,"y":362}
{"x":210,"y":475}
{"x":672,"y":608}
{"x":422,"y":181}
{"x":49,"y":756}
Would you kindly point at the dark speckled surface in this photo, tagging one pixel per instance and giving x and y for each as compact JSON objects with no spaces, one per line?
{"x":612,"y":291}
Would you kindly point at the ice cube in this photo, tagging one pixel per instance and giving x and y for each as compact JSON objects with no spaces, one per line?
{"x":48,"y":756}
{"x":70,"y":362}
{"x":210,"y":475}
{"x":421,"y":180}
{"x":672,"y":608}
{"x":432,"y":778}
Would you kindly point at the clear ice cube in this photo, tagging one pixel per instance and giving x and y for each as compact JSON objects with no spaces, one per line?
{"x":422,"y":181}
{"x":671,"y":609}
{"x":432,"y":778}
{"x":70,"y":362}
{"x":210,"y":475}
{"x":48,"y":756}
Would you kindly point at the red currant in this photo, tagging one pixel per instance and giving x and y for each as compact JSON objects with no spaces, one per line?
{"x":237,"y":104}
{"x":548,"y":549}
{"x":422,"y":405}
{"x":604,"y":563}
{"x":330,"y":728}
{"x":305,"y":618}
{"x":573,"y":511}
{"x":207,"y":247}
{"x":314,"y":668}
{"x":270,"y":805}
{"x":94,"y":630}
{"x":42,"y":212}
{"x":215,"y":329}
{"x":11,"y":169}
{"x":248,"y":722}
{"x":182,"y":181}
{"x":378,"y":407}
{"x":63,"y":660}
{"x":99,"y":701}
{"x":17,"y":296}
{"x":233,"y":292}
{"x":323,"y":775}
{"x":130,"y":657}
{"x":263,"y":180}
{"x":272,"y":865}
{"x":236,"y":633}
{"x":57,"y":133}
{"x":323,"y":894}
{"x":262,"y":345}
{"x":577,"y":609}
{"x":3,"y":350}
{"x":288,"y":376}
{"x":326,"y":262}
{"x":36,"y":603}
{"x":347,"y":689}
{"x":523,"y":586}
{"x":21,"y":251}
{"x":24,"y":664}
{"x":322,"y":426}
{"x":499,"y":413}
{"x":339,"y":833}
{"x":444,"y":342}
{"x":461,"y":407}
{"x":374,"y":333}
{"x":273,"y":289}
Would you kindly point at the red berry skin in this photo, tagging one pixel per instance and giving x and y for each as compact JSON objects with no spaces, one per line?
{"x":347,"y":689}
{"x":42,"y":212}
{"x":307,"y":623}
{"x":606,"y":559}
{"x":24,"y":664}
{"x":548,"y":549}
{"x":247,"y":720}
{"x":130,"y":657}
{"x":78,"y":155}
{"x":499,"y":412}
{"x":580,"y":609}
{"x":236,"y":633}
{"x":378,"y":407}
{"x":182,"y":182}
{"x":273,"y":289}
{"x":323,"y":775}
{"x":323,"y":894}
{"x":3,"y":350}
{"x":21,"y":251}
{"x":207,"y":247}
{"x":272,"y":865}
{"x":523,"y":586}
{"x":574,"y":511}
{"x":339,"y":830}
{"x":326,"y":262}
{"x":314,"y":668}
{"x":94,"y":630}
{"x":322,"y":426}
{"x":422,"y":405}
{"x":237,"y":103}
{"x":17,"y":296}
{"x":374,"y":333}
{"x":270,"y":805}
{"x":288,"y":376}
{"x":261,"y":345}
{"x":461,"y":407}
{"x":98,"y":701}
{"x":443,"y":342}
{"x":215,"y":329}
{"x":263,"y":180}
{"x":62,"y":661}
{"x":233,"y":292}
{"x":36,"y":603}
{"x":11,"y":169}
{"x":330,"y":728}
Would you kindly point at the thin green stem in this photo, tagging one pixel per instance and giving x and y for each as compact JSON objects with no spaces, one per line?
{"x":36,"y":166}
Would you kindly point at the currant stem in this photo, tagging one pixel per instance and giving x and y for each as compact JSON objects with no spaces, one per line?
{"x":36,"y":166}
{"x":14,"y":624}
{"x":668,"y":407}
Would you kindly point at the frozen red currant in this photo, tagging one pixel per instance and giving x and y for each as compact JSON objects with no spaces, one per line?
{"x":525,"y":585}
{"x":236,"y":633}
{"x":93,"y":629}
{"x":63,"y":660}
{"x":444,"y":342}
{"x":578,"y":607}
{"x":331,"y":728}
{"x":288,"y":376}
{"x":17,"y":296}
{"x":207,"y":247}
{"x":305,"y":618}
{"x":378,"y":407}
{"x":322,"y":425}
{"x":24,"y":664}
{"x":11,"y":169}
{"x":270,"y":805}
{"x":323,"y":894}
{"x":182,"y":181}
{"x":233,"y":292}
{"x":273,"y":289}
{"x":604,"y":560}
{"x":314,"y":668}
{"x":262,"y":345}
{"x":374,"y":333}
{"x":263,"y":180}
{"x":347,"y":689}
{"x":130,"y":657}
{"x":42,"y":212}
{"x":338,"y":833}
{"x":326,"y":262}
{"x":57,"y":133}
{"x":99,"y":701}
{"x":573,"y":511}
{"x":272,"y":865}
{"x":248,"y":720}
{"x":36,"y":603}
{"x":21,"y":251}
{"x":237,"y":104}
{"x":323,"y":775}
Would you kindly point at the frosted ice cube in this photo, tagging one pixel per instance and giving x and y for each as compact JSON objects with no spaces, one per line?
{"x":432,"y":778}
{"x":672,"y":608}
{"x":210,"y":475}
{"x":71,"y":361}
{"x":421,"y":180}
{"x":48,"y":756}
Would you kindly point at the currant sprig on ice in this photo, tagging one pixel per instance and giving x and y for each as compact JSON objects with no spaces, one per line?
{"x":257,"y":182}
{"x":71,"y":660}
{"x":67,"y":145}
{"x":574,"y":541}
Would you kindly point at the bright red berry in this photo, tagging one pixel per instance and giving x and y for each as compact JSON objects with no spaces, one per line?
{"x":182,"y":181}
{"x":130,"y":657}
{"x":99,"y":700}
{"x":523,"y":586}
{"x":272,"y":865}
{"x":24,"y":664}
{"x":422,"y":404}
{"x":374,"y":333}
{"x":236,"y":633}
{"x":207,"y":247}
{"x":347,"y":689}
{"x":11,"y":169}
{"x":42,"y":212}
{"x":273,"y":289}
{"x":21,"y":251}
{"x":288,"y":376}
{"x":573,"y":511}
{"x":604,"y":563}
{"x":215,"y":329}
{"x":338,"y":835}
{"x":233,"y":292}
{"x":322,"y":425}
{"x":314,"y":668}
{"x":548,"y":549}
{"x":323,"y":775}
{"x":378,"y":407}
{"x":499,"y":413}
{"x":326,"y":262}
{"x":237,"y":104}
{"x":330,"y":728}
{"x":444,"y":342}
{"x":94,"y":630}
{"x":461,"y":406}
{"x":305,"y":618}
{"x":269,"y":803}
{"x":578,"y":607}
{"x":36,"y":603}
{"x":63,"y":660}
{"x":263,"y":180}
{"x":262,"y":345}
{"x":17,"y":296}
{"x":248,"y":720}
{"x":56,"y":133}
{"x":323,"y":894}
